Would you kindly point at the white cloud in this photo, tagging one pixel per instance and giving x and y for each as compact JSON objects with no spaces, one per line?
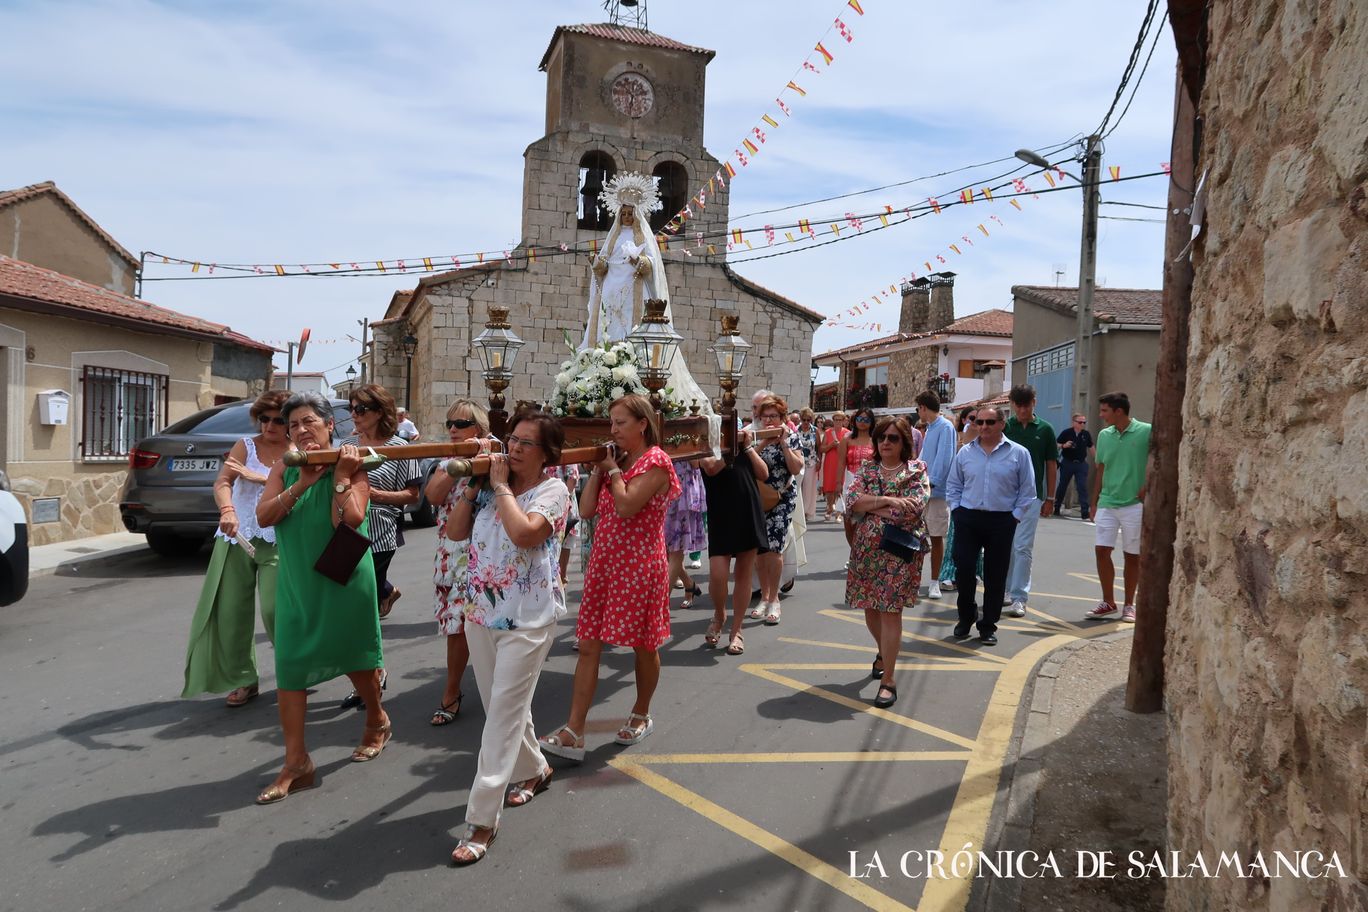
{"x":300,"y":132}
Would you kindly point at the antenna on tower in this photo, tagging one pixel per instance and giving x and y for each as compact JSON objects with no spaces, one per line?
{"x":627,"y":12}
{"x":1058,"y":270}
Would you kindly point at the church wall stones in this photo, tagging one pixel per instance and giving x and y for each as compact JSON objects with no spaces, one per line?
{"x":1267,"y":662}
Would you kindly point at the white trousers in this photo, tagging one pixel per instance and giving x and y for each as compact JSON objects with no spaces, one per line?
{"x":507,"y":665}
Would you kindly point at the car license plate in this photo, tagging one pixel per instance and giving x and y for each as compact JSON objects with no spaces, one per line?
{"x":195,"y":464}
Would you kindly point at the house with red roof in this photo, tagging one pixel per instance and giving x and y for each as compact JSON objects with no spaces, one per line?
{"x":963,"y":359}
{"x":86,"y":369}
{"x":1125,"y":346}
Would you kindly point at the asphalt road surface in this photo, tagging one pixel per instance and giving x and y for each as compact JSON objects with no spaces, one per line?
{"x":764,"y":773}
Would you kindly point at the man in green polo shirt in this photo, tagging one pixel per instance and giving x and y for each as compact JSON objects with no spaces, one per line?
{"x":1035,"y":434}
{"x":1118,"y":495}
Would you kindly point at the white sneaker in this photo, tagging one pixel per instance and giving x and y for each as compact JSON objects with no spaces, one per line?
{"x":1018,"y":610}
{"x":933,"y":591}
{"x":1006,"y":600}
{"x":694,"y":565}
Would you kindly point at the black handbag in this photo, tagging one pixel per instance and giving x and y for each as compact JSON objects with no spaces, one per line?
{"x":342,"y":553}
{"x":903,"y":544}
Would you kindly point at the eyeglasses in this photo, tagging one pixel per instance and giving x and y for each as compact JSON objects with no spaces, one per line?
{"x":771,"y":417}
{"x":459,"y":424}
{"x":522,"y":442}
{"x":892,"y":438}
{"x":985,"y":421}
{"x":862,"y":420}
{"x":363,"y":409}
{"x":276,"y":420}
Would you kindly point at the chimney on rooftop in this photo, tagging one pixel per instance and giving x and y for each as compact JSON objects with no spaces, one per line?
{"x":941,"y":312}
{"x":916,"y":307}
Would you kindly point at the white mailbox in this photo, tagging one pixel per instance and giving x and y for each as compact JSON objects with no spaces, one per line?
{"x":53,"y":406}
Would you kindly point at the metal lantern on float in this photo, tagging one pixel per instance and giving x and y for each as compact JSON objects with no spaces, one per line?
{"x":497,"y":348}
{"x":656,"y":342}
{"x":731,"y":351}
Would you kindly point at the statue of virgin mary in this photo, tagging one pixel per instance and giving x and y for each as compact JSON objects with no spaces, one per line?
{"x":627,"y":270}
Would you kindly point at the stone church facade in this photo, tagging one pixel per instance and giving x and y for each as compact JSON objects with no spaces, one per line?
{"x":618,"y":99}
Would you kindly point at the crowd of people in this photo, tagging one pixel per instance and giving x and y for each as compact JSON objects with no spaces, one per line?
{"x":313,"y":545}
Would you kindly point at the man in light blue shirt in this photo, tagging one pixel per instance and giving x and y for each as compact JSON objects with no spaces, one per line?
{"x":990,"y":488}
{"x":938,"y":451}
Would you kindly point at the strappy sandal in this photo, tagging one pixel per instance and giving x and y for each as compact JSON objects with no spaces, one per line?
{"x":477,"y":850}
{"x":772,"y":619}
{"x":387,"y":605}
{"x":305,"y":777}
{"x":635,"y":735}
{"x":690,"y":595}
{"x":758,"y":611}
{"x":554,"y":745}
{"x":518,"y":795}
{"x":242,"y":696}
{"x":736,"y":646}
{"x":714,"y":633}
{"x":366,"y":753}
{"x":445,"y":715}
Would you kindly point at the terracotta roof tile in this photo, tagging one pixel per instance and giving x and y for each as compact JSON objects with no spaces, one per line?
{"x":11,"y":197}
{"x":623,"y":33}
{"x":1114,"y":305}
{"x":995,"y":322}
{"x":28,"y":282}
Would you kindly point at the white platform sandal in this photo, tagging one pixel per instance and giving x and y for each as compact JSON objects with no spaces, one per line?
{"x":552,"y":744}
{"x":637,"y":735}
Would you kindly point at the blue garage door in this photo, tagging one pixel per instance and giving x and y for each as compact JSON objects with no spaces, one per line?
{"x":1051,"y":373}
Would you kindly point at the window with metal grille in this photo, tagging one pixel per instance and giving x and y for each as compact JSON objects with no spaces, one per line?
{"x":120,"y":408}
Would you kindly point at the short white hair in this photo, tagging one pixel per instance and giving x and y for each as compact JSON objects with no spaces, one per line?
{"x":761,"y":394}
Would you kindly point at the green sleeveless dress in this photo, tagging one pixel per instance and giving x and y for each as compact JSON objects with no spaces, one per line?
{"x":322,"y":630}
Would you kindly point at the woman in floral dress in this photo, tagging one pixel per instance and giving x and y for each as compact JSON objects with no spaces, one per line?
{"x":512,"y":598}
{"x":807,"y":448}
{"x":685,"y":529}
{"x":466,"y":420}
{"x":626,"y":600}
{"x":893,"y":488}
{"x":784,"y":462}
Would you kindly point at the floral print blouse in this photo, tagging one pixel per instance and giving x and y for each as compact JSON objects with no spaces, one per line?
{"x":508,"y":587}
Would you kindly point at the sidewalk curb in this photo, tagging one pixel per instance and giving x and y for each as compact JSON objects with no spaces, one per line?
{"x":102,"y":558}
{"x":1009,"y":828}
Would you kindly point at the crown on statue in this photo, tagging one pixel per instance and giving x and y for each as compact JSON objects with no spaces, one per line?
{"x":631,"y":189}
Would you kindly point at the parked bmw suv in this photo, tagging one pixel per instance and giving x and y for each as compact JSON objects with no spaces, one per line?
{"x":169,"y":494}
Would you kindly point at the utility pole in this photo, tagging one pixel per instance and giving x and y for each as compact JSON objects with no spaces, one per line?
{"x":1159,"y":530}
{"x":365,"y":328}
{"x":289,"y":365}
{"x":1085,"y":374}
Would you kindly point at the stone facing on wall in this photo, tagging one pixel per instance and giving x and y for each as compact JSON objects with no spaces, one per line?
{"x":1267,"y":664}
{"x":89,"y":505}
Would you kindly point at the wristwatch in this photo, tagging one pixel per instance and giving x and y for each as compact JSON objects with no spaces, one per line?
{"x":342,"y":487}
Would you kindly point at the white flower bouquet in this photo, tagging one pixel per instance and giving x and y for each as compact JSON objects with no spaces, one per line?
{"x":593,"y":379}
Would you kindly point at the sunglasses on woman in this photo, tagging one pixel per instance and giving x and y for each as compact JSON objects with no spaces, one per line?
{"x":363,"y":409}
{"x":269,"y":419}
{"x":862,"y":420}
{"x":892,"y":438}
{"x":459,"y":424}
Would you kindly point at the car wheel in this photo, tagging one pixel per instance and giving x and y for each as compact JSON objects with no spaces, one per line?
{"x":424,"y":515}
{"x":168,"y":544}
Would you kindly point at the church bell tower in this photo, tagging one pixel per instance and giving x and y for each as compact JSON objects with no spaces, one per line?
{"x":618,"y":98}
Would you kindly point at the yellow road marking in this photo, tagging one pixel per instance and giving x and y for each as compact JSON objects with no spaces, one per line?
{"x":1086,"y":577}
{"x":1003,"y":625}
{"x":804,"y":861}
{"x":846,"y":666}
{"x":1072,"y":598}
{"x":973,"y":805}
{"x":951,"y":647}
{"x":953,"y":660}
{"x":762,"y":671}
{"x":1051,"y":617}
{"x":804,"y":757}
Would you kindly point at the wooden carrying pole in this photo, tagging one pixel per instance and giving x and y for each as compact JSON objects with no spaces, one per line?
{"x":479,"y":465}
{"x":412,"y":451}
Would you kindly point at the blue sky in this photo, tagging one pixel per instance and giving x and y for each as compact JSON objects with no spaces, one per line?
{"x":297,"y":131}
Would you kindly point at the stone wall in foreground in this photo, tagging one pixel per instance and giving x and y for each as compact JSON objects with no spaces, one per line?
{"x":1268,"y":631}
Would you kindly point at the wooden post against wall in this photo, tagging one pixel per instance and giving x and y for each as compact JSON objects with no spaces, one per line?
{"x":1145,"y":686}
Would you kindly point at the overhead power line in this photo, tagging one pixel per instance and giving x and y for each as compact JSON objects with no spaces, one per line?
{"x":1145,"y":25}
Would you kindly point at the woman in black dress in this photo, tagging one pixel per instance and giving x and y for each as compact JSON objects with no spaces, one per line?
{"x":736,"y":531}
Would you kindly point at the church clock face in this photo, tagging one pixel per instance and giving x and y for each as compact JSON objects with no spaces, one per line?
{"x":632,"y":95}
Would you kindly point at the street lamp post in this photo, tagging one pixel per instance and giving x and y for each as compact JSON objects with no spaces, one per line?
{"x":410,"y":345}
{"x":1084,"y":375}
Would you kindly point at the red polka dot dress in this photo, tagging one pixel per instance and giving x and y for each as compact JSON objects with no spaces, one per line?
{"x":626,"y":599}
